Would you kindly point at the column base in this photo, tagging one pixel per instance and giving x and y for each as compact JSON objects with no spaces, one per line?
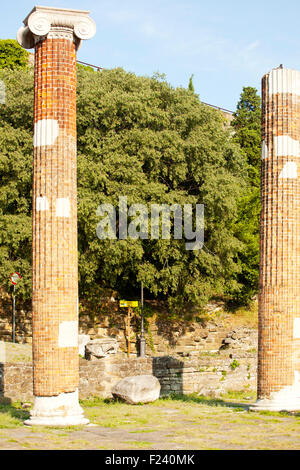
{"x":60,"y":410}
{"x":287,"y":399}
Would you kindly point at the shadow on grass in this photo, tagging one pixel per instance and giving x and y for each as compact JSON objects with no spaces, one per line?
{"x":196,"y":399}
{"x":99,"y":401}
{"x":189,"y":399}
{"x":202,"y":400}
{"x":14,"y":411}
{"x":215,"y":402}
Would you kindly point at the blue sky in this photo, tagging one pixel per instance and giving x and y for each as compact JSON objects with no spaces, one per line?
{"x":225,"y":44}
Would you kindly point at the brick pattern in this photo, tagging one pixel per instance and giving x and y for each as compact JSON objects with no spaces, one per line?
{"x":55,"y":281}
{"x":279,"y":293}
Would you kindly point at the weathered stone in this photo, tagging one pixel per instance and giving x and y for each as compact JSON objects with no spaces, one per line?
{"x":137,"y":389}
{"x":228,"y":340}
{"x":82,"y":341}
{"x":101,"y":347}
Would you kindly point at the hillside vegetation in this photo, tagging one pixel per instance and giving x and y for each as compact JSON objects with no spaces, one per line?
{"x":141,"y":138}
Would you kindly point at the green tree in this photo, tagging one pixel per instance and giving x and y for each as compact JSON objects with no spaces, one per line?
{"x":191,"y":85}
{"x":247,"y":128}
{"x":12,"y":55}
{"x":16,"y":129}
{"x":141,"y":138}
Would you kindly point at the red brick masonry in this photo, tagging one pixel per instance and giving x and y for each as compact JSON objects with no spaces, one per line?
{"x":55,"y":219}
{"x":279,"y":285}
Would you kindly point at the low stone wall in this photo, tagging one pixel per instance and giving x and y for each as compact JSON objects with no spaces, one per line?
{"x":16,"y":381}
{"x":210,"y":374}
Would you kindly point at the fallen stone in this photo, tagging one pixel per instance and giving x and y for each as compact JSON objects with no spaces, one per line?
{"x":101,"y":347}
{"x":137,"y":389}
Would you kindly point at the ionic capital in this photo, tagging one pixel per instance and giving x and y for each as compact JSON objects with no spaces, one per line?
{"x":49,"y":22}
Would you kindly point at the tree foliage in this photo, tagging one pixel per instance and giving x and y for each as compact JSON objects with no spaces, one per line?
{"x":247,"y":127}
{"x":141,"y":138}
{"x":16,"y":128}
{"x":191,"y":84}
{"x":12,"y":55}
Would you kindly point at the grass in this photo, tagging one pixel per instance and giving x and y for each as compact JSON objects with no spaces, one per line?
{"x":140,"y":431}
{"x":234,"y":364}
{"x":14,"y":352}
{"x":243,"y":316}
{"x":115,"y":414}
{"x":209,"y":354}
{"x":241,"y":395}
{"x":138,"y":444}
{"x":174,"y":422}
{"x":12,"y":415}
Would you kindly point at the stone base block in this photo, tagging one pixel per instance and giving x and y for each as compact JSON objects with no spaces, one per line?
{"x":60,"y":410}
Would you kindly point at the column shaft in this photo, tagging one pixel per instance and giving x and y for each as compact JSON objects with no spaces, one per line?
{"x":55,"y":296}
{"x":279,"y":285}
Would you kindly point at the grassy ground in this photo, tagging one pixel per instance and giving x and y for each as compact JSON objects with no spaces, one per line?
{"x":243,"y":316}
{"x":178,"y":422}
{"x":13,"y":352}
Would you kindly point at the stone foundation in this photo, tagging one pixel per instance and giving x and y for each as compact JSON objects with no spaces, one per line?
{"x":209,"y":374}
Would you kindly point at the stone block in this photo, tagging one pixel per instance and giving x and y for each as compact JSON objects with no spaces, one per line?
{"x":137,"y":389}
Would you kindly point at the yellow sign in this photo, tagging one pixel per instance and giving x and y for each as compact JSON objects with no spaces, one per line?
{"x":129,"y":303}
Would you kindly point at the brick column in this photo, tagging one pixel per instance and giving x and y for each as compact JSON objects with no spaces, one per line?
{"x":55,"y":34}
{"x":279,"y":285}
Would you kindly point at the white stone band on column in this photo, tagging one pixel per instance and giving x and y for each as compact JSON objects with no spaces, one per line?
{"x":41,"y":20}
{"x":284,"y":81}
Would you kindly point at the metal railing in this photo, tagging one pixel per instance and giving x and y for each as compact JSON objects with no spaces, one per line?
{"x":217,"y":107}
{"x":90,"y":65}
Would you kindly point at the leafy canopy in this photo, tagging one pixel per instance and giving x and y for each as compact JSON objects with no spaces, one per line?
{"x":247,"y":127}
{"x":191,"y":84}
{"x":137,"y":137}
{"x":12,"y":55}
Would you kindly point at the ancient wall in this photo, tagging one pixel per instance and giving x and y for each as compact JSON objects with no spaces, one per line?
{"x":175,"y":338}
{"x":209,"y":374}
{"x":164,"y":336}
